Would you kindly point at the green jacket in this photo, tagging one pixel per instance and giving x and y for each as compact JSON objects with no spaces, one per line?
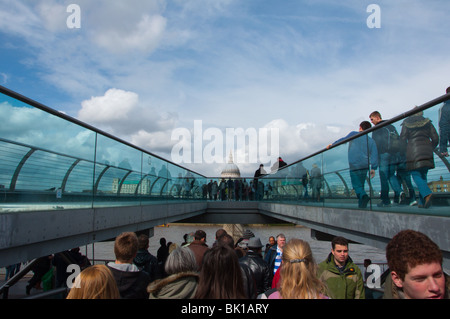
{"x":348,"y":284}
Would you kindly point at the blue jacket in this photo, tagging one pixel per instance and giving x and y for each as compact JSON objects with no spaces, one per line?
{"x":359,"y":153}
{"x":444,"y":116}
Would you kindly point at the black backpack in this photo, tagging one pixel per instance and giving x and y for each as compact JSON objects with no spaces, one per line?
{"x":394,"y":144}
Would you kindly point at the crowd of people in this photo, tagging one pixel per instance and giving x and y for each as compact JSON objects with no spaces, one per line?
{"x":241,"y":270}
{"x":399,"y":158}
{"x":241,"y":189}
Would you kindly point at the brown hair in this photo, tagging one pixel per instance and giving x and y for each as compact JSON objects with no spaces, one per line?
{"x":410,"y":248}
{"x":94,"y":282}
{"x":126,"y":246}
{"x":375,"y":113}
{"x":339,"y":241}
{"x":221,"y":276}
{"x":143,"y":241}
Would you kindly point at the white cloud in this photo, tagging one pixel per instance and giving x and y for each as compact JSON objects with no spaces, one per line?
{"x":145,"y":36}
{"x":53,"y":15}
{"x":122,"y":114}
{"x":114,"y":105}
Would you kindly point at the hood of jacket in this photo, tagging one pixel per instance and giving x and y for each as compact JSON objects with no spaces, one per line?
{"x":416,"y":121}
{"x":143,"y":257}
{"x":177,"y":286}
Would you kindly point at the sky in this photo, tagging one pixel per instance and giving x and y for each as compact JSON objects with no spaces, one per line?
{"x":143,"y":70}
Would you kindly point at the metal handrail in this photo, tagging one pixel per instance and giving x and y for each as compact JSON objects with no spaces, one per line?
{"x":12,"y":281}
{"x":66,"y":117}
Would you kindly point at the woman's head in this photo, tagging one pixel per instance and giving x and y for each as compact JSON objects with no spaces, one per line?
{"x":220,"y":277}
{"x":180,"y":260}
{"x":94,"y":282}
{"x":298,"y":272}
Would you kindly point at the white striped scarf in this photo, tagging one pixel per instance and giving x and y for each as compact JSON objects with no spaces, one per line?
{"x":277,"y":260}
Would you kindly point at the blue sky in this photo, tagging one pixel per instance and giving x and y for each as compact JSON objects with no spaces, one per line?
{"x":140,"y":69}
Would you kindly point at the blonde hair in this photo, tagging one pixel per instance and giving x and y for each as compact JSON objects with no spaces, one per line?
{"x":298,"y":279}
{"x":95,"y":282}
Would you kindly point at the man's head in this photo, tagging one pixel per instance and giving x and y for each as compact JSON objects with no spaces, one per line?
{"x":415,"y":262}
{"x":375,"y":117}
{"x":448,"y":90}
{"x":220,"y":232}
{"x":364,"y":125}
{"x":200,"y":235}
{"x":143,"y":241}
{"x":339,"y":249}
{"x":271,"y":240}
{"x":281,"y":240}
{"x":226,"y":240}
{"x":126,"y":247}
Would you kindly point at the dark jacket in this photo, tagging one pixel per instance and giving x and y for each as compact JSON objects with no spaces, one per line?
{"x":260,"y":270}
{"x":421,"y":139}
{"x":146,"y":262}
{"x":131,"y":284}
{"x":249,"y":282}
{"x":269,"y":258}
{"x":381,"y":137}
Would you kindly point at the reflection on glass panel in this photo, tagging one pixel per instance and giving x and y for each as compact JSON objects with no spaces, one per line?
{"x":10,"y":157}
{"x":113,"y":153}
{"x":175,"y":184}
{"x":111,"y":180}
{"x":43,"y":172}
{"x":159,"y":170}
{"x":80,"y":178}
{"x":31,"y":126}
{"x":131,"y":185}
{"x":51,"y":159}
{"x":121,"y":174}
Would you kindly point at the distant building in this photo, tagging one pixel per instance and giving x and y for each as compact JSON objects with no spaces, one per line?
{"x":129,"y":187}
{"x":439,"y":186}
{"x":231,"y":170}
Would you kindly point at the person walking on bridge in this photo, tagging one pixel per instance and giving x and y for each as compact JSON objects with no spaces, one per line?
{"x":362,"y":156}
{"x":421,"y":139}
{"x":388,"y":146}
